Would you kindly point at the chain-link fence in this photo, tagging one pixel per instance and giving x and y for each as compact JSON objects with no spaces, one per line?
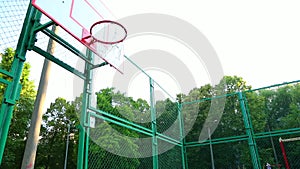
{"x":250,"y":127}
{"x":12,"y":15}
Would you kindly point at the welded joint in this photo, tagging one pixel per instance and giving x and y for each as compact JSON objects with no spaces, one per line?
{"x":151,"y":85}
{"x":20,"y":57}
{"x":9,"y":101}
{"x":40,"y":26}
{"x":251,"y":144}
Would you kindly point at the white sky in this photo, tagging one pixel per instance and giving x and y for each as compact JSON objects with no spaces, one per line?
{"x":258,"y":40}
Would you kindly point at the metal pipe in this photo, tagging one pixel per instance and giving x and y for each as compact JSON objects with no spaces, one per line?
{"x":67,"y":147}
{"x":211,"y":150}
{"x":287,"y":166}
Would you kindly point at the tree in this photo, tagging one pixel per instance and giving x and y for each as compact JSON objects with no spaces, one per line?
{"x":109,"y":138}
{"x":196,"y":113}
{"x":282,"y":108}
{"x":52,"y":145}
{"x":231,"y":124}
{"x":18,"y":130}
{"x":292,"y":116}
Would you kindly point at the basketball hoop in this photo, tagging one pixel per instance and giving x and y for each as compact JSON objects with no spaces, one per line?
{"x":105,"y":40}
{"x":107,"y":32}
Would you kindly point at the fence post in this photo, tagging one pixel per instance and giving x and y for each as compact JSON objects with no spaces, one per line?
{"x":13,"y":88}
{"x":182,"y":137}
{"x":249,"y":132}
{"x":286,"y":162}
{"x":153,"y":126}
{"x":82,"y":158}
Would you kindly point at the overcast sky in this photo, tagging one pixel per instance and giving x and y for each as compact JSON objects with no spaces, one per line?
{"x":258,"y":40}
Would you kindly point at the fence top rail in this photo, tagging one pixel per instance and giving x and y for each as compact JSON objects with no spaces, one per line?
{"x":289,"y":139}
{"x":275,"y":85}
{"x":234,"y":93}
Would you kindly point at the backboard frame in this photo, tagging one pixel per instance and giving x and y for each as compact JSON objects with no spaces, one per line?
{"x":78,"y":24}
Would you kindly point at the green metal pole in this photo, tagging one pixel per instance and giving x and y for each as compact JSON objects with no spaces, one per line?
{"x":81,"y":146}
{"x":89,"y":82}
{"x":273,"y":148}
{"x":182,"y":137}
{"x":13,"y":89}
{"x":249,"y":132}
{"x":252,"y":131}
{"x":67,"y":146}
{"x":87,"y":139}
{"x":81,"y":163}
{"x":211,"y":150}
{"x":153,"y":125}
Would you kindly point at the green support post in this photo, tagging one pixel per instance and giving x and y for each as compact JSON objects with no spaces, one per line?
{"x":153,"y":125}
{"x":12,"y":91}
{"x":87,"y":141}
{"x":249,"y":132}
{"x":80,"y":148}
{"x":182,"y":138}
{"x":82,"y":158}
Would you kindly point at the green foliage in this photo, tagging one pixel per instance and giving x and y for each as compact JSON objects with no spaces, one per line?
{"x":195,"y":114}
{"x":110,"y":137}
{"x":282,"y":107}
{"x":7,"y":58}
{"x":292,"y":118}
{"x":54,"y":132}
{"x":256,"y":107}
{"x":231,"y":124}
{"x":274,"y":109}
{"x":167,"y":112}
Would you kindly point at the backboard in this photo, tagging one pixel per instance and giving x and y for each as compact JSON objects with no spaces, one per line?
{"x":77,"y":17}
